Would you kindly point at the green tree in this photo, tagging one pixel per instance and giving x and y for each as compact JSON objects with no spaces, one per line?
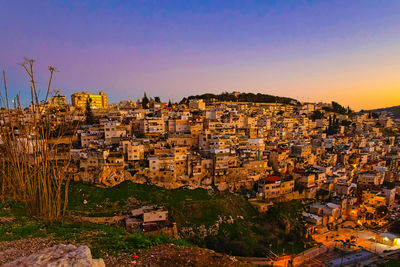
{"x":316,"y":115}
{"x":145,"y":101}
{"x":375,"y":115}
{"x":157,"y":99}
{"x":89,"y":113}
{"x":338,"y":108}
{"x":242,"y":97}
{"x":346,"y":123}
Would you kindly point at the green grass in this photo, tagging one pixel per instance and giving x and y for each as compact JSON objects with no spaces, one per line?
{"x":238,"y":239}
{"x":12,"y":209}
{"x":102,"y":239}
{"x":186,"y":207}
{"x":193,"y":208}
{"x":289,"y":211}
{"x":249,"y":236}
{"x":296,"y":245}
{"x":20,"y":229}
{"x":281,"y":216}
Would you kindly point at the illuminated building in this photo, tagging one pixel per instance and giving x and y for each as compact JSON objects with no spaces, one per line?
{"x":373,"y":198}
{"x":96,"y":101}
{"x":197,"y":104}
{"x":389,"y":239}
{"x":58,"y":100}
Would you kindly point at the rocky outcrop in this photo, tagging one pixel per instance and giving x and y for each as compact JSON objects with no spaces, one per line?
{"x":169,"y":180}
{"x":103,"y":220}
{"x":202,"y":231}
{"x":59,"y":256}
{"x":111,"y":176}
{"x":15,"y":249}
{"x":6,"y":219}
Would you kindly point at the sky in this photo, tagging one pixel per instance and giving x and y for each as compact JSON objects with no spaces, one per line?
{"x":344,"y":51}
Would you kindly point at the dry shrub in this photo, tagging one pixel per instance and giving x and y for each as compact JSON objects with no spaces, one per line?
{"x":34,"y":162}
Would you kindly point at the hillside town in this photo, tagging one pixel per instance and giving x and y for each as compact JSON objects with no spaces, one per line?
{"x":346,"y":162}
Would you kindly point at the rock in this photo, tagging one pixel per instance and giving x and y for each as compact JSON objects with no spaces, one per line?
{"x":6,"y":219}
{"x":111,"y":176}
{"x":132,"y":202}
{"x":59,"y":256}
{"x":223,"y":186}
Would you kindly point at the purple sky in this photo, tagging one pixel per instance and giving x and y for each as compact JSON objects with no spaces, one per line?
{"x":346,"y":51}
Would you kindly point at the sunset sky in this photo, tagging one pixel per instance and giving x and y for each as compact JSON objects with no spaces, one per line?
{"x":346,"y":51}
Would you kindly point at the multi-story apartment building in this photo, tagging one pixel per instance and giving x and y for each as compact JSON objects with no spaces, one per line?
{"x":79,"y":100}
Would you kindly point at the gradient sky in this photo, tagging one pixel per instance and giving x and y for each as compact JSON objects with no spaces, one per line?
{"x":347,"y":51}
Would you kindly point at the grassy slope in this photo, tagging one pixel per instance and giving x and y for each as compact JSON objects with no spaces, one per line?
{"x":250,"y":236}
{"x":102,"y":239}
{"x":192,"y":208}
{"x":187,"y":207}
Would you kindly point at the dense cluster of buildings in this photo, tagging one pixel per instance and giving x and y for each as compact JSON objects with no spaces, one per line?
{"x":276,"y":152}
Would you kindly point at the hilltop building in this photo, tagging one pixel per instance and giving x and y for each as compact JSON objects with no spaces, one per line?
{"x":58,"y":100}
{"x":79,"y":100}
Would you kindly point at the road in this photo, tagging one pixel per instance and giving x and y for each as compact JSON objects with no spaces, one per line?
{"x":363,"y":239}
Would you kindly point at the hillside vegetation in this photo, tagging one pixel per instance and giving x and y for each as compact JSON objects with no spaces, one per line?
{"x":112,"y":243}
{"x":242,"y":97}
{"x":393,"y":110}
{"x":187,"y":207}
{"x":224,"y":222}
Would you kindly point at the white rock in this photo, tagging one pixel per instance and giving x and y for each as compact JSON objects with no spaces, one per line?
{"x":59,"y":256}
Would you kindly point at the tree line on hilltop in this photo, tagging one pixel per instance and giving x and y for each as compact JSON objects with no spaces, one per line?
{"x":242,"y":97}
